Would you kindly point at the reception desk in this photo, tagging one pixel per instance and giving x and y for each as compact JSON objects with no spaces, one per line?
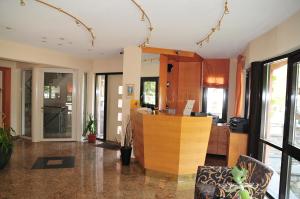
{"x":170,"y":144}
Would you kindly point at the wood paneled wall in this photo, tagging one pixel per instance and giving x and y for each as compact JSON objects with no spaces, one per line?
{"x":189,"y":85}
{"x":163,"y":82}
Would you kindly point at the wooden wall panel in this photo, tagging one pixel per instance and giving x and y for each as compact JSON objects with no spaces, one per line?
{"x":162,"y":143}
{"x":138,"y":136}
{"x":238,"y":144}
{"x":189,"y":85}
{"x":172,"y":90}
{"x":195,"y":133}
{"x":6,"y":72}
{"x":163,"y":82}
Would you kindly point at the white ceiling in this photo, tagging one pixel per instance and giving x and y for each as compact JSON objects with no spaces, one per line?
{"x":178,"y":24}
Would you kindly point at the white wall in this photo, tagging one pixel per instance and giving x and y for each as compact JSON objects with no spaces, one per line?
{"x":131,"y":75}
{"x":231,"y":89}
{"x":108,"y":64}
{"x":282,"y":39}
{"x":150,"y":69}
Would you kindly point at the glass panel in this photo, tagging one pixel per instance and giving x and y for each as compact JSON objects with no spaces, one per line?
{"x":274,"y":106}
{"x":149,"y":92}
{"x":295,"y":134}
{"x":100,"y":103}
{"x":27,"y":107}
{"x":84,"y":104}
{"x":120,"y":102}
{"x":294,"y":179}
{"x":272,"y":158}
{"x":215,"y":101}
{"x":58,"y":90}
{"x":119,"y":117}
{"x":120,"y":90}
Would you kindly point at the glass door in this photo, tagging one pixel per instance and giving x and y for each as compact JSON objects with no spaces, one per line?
{"x":26,"y":102}
{"x":58,"y":104}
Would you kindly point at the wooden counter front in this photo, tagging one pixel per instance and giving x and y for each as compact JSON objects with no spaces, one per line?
{"x":169,"y":143}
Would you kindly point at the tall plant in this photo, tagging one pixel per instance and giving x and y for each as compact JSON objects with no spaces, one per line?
{"x":90,"y":127}
{"x":127,"y":142}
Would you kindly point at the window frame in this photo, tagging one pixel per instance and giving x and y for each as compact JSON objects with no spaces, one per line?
{"x":225,"y":103}
{"x":288,"y":150}
{"x":152,"y":79}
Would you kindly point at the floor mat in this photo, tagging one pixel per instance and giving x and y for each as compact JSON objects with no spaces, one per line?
{"x":109,"y":145}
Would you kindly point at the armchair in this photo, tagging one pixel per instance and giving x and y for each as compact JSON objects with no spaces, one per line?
{"x":216,"y":182}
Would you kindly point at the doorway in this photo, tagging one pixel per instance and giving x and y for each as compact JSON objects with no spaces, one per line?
{"x":108,"y":106}
{"x":58,"y":104}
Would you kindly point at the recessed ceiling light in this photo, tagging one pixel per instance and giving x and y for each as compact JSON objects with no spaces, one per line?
{"x":8,"y":28}
{"x":61,"y":38}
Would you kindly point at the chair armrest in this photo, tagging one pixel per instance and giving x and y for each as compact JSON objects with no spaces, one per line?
{"x":213,"y":175}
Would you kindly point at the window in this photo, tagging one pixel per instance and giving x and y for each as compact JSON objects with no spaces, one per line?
{"x":215,"y":102}
{"x":149,"y":91}
{"x":278,"y":137}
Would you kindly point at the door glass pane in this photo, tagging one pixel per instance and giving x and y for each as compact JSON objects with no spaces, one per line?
{"x":272,"y":158}
{"x":100,"y":103}
{"x":295,"y":134}
{"x":294,"y":179}
{"x":214,"y":100}
{"x":149,"y":93}
{"x":58,"y":91}
{"x":274,"y":102}
{"x":27,"y":88}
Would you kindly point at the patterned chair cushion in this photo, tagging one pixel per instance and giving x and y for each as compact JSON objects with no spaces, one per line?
{"x":207,"y":179}
{"x":231,"y":190}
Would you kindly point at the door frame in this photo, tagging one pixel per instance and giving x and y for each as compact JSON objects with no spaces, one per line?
{"x":74,"y":103}
{"x":105,"y":99}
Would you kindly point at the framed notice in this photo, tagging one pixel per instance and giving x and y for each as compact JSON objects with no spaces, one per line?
{"x":129,"y":90}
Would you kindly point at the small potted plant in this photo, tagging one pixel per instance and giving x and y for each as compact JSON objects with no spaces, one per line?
{"x":126,"y":145}
{"x":90,"y":130}
{"x":6,"y":146}
{"x":239,"y":176}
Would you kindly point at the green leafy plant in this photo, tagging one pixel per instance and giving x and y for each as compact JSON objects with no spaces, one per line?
{"x":6,"y":140}
{"x":90,"y":127}
{"x":239,"y":176}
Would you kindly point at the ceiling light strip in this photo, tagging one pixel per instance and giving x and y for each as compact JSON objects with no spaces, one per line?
{"x":149,"y":28}
{"x":216,"y":27}
{"x":77,"y":20}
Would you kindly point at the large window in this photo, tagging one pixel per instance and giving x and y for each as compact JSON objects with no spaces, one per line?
{"x":279,"y":135}
{"x":215,"y":102}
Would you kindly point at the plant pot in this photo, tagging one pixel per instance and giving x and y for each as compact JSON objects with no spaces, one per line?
{"x":91,"y":138}
{"x":4,"y":158}
{"x":125,"y":155}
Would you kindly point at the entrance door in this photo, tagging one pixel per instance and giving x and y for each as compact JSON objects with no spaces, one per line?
{"x":58,"y":104}
{"x":114,"y":107}
{"x":1,"y":97}
{"x":108,"y":106}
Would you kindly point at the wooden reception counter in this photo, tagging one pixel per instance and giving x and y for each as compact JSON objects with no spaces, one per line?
{"x":170,"y":143}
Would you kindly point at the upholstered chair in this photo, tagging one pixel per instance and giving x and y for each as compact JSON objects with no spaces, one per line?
{"x":216,"y":182}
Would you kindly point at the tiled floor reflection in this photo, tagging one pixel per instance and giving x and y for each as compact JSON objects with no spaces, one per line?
{"x":97,"y":174}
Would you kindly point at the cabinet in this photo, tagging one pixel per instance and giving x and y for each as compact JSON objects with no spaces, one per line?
{"x":238,"y":143}
{"x":218,"y":141}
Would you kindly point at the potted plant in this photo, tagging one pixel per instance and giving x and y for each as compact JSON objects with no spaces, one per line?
{"x":126,"y":145}
{"x":90,"y":130}
{"x":239,"y":176}
{"x":6,"y":145}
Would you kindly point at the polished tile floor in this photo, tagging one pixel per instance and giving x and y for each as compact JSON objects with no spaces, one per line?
{"x":97,"y":174}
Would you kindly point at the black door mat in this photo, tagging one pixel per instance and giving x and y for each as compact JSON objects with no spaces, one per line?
{"x":109,"y":145}
{"x":54,"y":162}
